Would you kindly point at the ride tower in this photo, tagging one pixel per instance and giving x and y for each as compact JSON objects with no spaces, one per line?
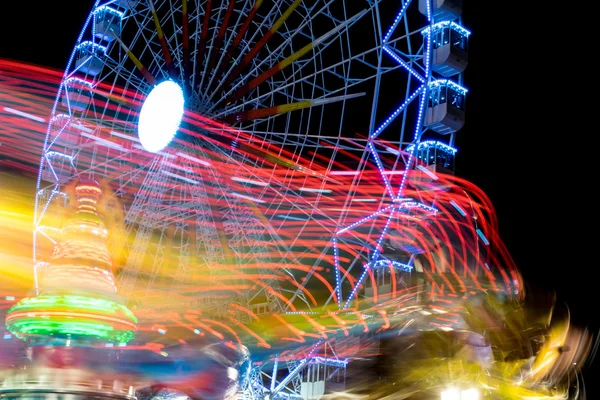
{"x":76,"y":316}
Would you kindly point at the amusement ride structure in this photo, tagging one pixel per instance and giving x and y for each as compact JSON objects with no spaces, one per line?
{"x":267,"y":185}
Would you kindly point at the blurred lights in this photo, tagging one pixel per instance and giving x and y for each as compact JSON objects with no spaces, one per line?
{"x":451,"y":394}
{"x":470,"y":394}
{"x":455,"y":394}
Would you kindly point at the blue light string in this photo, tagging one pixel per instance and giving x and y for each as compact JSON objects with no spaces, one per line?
{"x":446,"y":24}
{"x":383,"y":263}
{"x":396,"y":112}
{"x":93,"y":47}
{"x":374,"y":257}
{"x":336,"y":261}
{"x":52,"y":194}
{"x":417,"y":134}
{"x":428,"y":2}
{"x":396,"y":21}
{"x":431,"y":143}
{"x":450,"y":84}
{"x":381,"y":171}
{"x":421,"y":206}
{"x":358,"y":283}
{"x":365,"y":219}
{"x":403,"y":64}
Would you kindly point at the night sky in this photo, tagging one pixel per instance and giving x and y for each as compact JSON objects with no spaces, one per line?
{"x":516,"y":143}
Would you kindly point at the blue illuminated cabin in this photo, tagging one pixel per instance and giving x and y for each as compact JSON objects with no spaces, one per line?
{"x":449,"y":54}
{"x":445,"y":112}
{"x":107,"y":23}
{"x":437,"y":156}
{"x":442,"y":10}
{"x":383,"y":274}
{"x":434,"y":158}
{"x":90,"y":58}
{"x":77,"y":94}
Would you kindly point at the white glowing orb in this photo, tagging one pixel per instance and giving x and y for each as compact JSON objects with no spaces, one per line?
{"x":160,"y":116}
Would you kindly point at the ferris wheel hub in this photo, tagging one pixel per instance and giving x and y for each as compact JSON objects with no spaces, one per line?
{"x":160,"y":116}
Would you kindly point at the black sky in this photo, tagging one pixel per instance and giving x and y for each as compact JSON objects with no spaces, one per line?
{"x":516,"y":144}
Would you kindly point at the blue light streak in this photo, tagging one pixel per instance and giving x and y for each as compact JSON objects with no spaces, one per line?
{"x":483,"y":238}
{"x":459,"y":208}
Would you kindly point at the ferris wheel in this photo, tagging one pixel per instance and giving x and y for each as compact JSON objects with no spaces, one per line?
{"x":253,"y":151}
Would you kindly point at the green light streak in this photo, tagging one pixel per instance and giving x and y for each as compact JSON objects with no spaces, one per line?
{"x":75,"y":325}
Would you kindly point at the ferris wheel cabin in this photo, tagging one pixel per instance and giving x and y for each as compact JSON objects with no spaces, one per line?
{"x":90,"y":58}
{"x":107,"y":23}
{"x":77,"y":94}
{"x":445,"y":113}
{"x":449,"y":54}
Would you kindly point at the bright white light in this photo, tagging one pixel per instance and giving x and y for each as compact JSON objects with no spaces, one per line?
{"x":455,"y":394}
{"x":450,"y":394}
{"x":160,"y":116}
{"x":470,"y":394}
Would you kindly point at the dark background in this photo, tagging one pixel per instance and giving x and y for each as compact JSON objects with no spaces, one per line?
{"x":521,"y":142}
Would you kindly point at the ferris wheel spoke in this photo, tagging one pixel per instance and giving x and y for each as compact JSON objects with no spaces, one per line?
{"x":185,"y":43}
{"x":260,"y":65}
{"x":212,"y":48}
{"x":216,"y":47}
{"x":297,"y":78}
{"x":149,"y":77}
{"x":163,"y":42}
{"x":228,"y":54}
{"x":312,"y":15}
{"x":259,"y":45}
{"x":202,"y":45}
{"x":130,"y":77}
{"x":259,"y":113}
{"x":289,"y":60}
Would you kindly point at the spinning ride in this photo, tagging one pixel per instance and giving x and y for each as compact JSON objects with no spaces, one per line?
{"x":258,"y":158}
